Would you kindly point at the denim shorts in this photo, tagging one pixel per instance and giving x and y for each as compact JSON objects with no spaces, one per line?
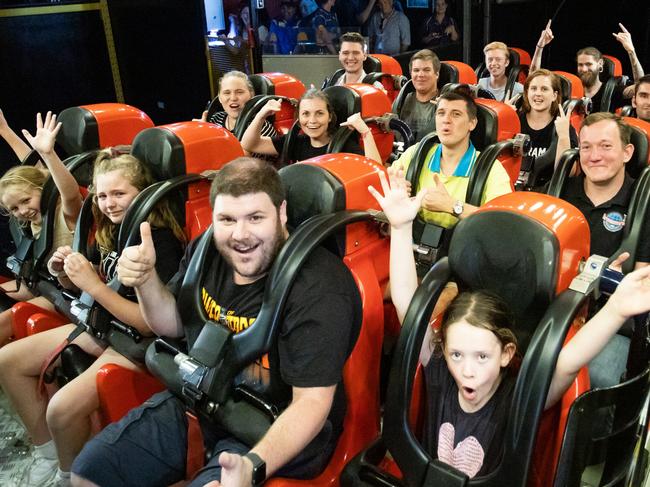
{"x":148,"y":447}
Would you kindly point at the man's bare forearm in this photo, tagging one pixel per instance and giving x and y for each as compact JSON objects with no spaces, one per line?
{"x":158,"y":307}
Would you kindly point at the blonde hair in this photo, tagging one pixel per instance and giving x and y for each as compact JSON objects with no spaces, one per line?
{"x":139,"y":176}
{"x":22,"y":178}
{"x":497,"y":45}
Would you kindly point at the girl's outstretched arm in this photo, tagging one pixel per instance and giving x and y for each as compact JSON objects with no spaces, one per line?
{"x":631,"y":298}
{"x":43,"y":142}
{"x":355,"y":122}
{"x":400,"y":209}
{"x":18,"y":145}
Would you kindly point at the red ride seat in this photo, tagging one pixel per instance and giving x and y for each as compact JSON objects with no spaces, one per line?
{"x":552,"y":237}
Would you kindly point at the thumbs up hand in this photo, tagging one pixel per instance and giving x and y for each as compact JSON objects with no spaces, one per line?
{"x":137,"y":263}
{"x":438,"y":198}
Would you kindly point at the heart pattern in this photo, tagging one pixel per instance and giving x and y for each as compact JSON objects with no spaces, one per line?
{"x":467,"y":456}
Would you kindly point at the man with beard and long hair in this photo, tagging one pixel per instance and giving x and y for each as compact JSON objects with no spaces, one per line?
{"x":318,"y":327}
{"x":589,"y":62}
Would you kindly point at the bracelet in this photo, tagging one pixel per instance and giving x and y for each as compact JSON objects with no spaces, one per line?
{"x":540,"y":47}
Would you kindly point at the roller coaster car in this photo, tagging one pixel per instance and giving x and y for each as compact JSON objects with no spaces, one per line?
{"x":450,"y":72}
{"x":169,"y":151}
{"x":280,"y":85}
{"x":84,"y":130}
{"x":613,"y":78}
{"x":496,"y":136}
{"x":574,"y":101}
{"x":325,"y":196}
{"x":533,"y":277}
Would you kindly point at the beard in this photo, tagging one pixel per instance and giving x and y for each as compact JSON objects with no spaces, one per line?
{"x":268,"y":251}
{"x":589,"y":78}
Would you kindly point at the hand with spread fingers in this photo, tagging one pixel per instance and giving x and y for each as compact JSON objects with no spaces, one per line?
{"x":45,"y":137}
{"x":562,"y":123}
{"x":624,"y":37}
{"x":398,"y":206}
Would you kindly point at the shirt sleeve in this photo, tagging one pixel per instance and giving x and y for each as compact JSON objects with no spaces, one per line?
{"x":268,"y":130}
{"x":405,"y":31}
{"x":498,"y":183}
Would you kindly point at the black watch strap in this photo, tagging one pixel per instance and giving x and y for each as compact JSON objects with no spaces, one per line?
{"x":259,"y":468}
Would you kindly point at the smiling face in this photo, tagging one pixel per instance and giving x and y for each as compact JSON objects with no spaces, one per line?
{"x":352,"y":57}
{"x":453,"y":123}
{"x":425,"y":79}
{"x":589,"y":69}
{"x":602,"y":153}
{"x":23,"y":203}
{"x":641,"y":101}
{"x":114,"y":194}
{"x":248,"y":232}
{"x":314,"y":118}
{"x":496,"y":61}
{"x":475,"y":358}
{"x":233,"y":95}
{"x":441,"y":6}
{"x":540,"y":94}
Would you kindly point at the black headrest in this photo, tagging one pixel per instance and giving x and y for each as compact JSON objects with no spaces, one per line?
{"x":344,"y":100}
{"x":448,"y":74}
{"x":262,"y":85}
{"x":79,"y":132}
{"x":608,"y":69}
{"x":162,"y":151}
{"x":565,"y":85}
{"x":525,"y":276}
{"x":639,"y":159}
{"x":514,"y":58}
{"x":372,"y":65}
{"x":485,"y":132}
{"x":311,"y":191}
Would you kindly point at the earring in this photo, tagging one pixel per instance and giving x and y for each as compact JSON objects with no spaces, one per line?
{"x":600,"y":70}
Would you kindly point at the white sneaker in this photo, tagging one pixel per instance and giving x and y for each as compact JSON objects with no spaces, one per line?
{"x":40,"y":471}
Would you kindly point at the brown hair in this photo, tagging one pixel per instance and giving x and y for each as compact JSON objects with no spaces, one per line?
{"x":356,"y":38}
{"x":238,"y":75}
{"x":590,"y":51}
{"x":643,"y":79}
{"x":246,"y":175}
{"x":462,"y":92}
{"x":556,"y":86}
{"x":140,"y":177}
{"x":624,"y":130}
{"x":482,"y":309}
{"x":426,"y":55}
{"x":24,"y":178}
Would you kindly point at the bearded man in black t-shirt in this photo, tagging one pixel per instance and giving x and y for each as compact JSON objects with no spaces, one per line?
{"x":317,"y":333}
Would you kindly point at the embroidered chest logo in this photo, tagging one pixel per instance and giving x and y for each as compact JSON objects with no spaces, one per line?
{"x":467,"y":456}
{"x":614,"y":221}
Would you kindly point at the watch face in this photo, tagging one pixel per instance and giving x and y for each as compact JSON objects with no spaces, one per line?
{"x":458,"y":208}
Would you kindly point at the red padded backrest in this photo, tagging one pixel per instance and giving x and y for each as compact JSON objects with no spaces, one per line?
{"x":285,"y":85}
{"x":118,"y":124}
{"x":612,"y":65}
{"x":388,"y":64}
{"x":466,"y":74}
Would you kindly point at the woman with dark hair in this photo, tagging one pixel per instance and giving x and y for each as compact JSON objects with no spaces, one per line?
{"x":317,"y":121}
{"x":440,"y":28}
{"x":544,"y":120}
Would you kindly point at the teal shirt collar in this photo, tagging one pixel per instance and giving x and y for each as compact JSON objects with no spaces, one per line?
{"x":464,"y":166}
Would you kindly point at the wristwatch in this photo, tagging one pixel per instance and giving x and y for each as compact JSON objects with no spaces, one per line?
{"x":458,"y":208}
{"x":259,"y":468}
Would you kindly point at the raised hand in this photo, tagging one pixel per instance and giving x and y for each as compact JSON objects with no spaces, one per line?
{"x":399,"y":207}
{"x":632,"y":296}
{"x":43,"y":140}
{"x":204,"y":117}
{"x":271,"y":107}
{"x":624,"y":37}
{"x":562,"y":122}
{"x":82,"y":273}
{"x":355,"y":122}
{"x":438,"y":198}
{"x":546,"y":36}
{"x":137,"y":263}
{"x":55,"y":264}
